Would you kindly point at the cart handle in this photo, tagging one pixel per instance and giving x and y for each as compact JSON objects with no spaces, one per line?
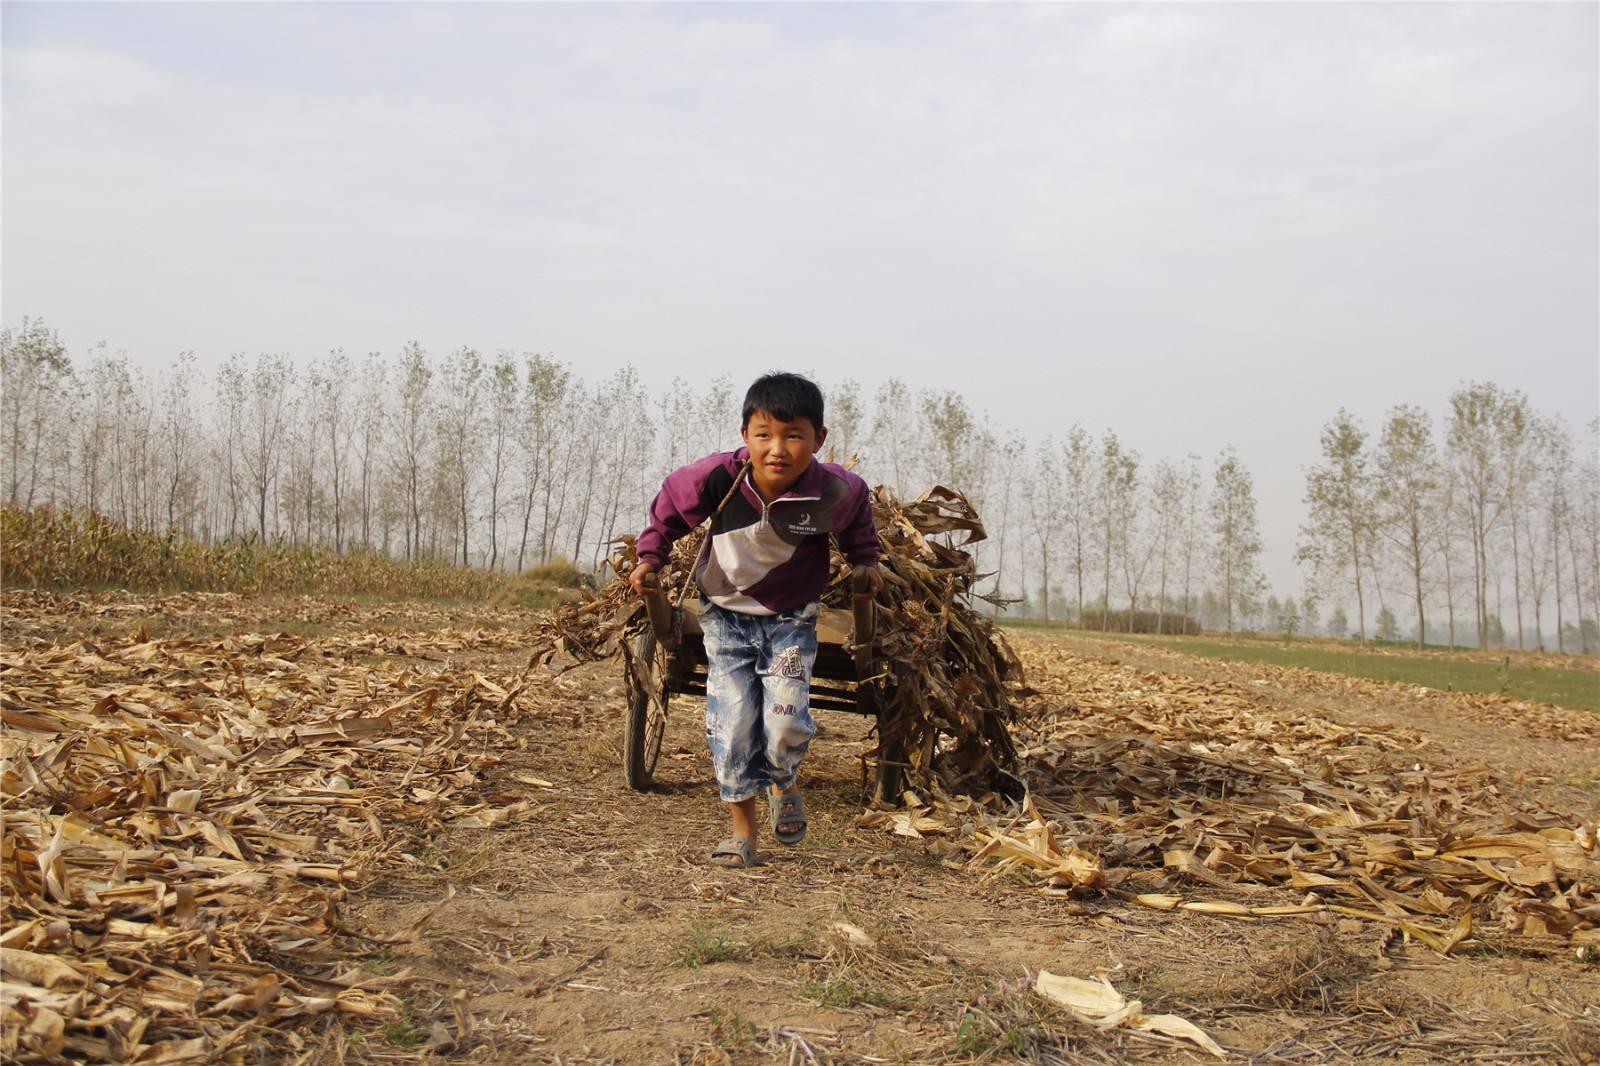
{"x":655,"y":606}
{"x":865,"y":608}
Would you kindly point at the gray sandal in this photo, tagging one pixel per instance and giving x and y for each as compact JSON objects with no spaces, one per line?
{"x":789,"y":808}
{"x":738,"y":853}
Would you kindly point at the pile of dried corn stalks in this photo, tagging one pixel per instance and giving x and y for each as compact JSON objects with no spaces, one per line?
{"x":945,"y":666}
{"x":1163,"y":788}
{"x":181,"y":818}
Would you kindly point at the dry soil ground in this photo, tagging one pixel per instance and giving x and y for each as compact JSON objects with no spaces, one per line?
{"x":595,"y":930}
{"x":601,"y":933}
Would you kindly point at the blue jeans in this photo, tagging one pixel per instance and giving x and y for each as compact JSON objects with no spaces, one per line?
{"x":758,"y":696}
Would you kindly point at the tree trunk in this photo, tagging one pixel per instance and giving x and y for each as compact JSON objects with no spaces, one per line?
{"x":1416,"y":576}
{"x":1078,"y":550}
{"x":1361,"y":604}
{"x":1555,"y":551}
{"x":1105,"y":587}
{"x":1161,"y":605}
{"x":1044,"y":591}
{"x":1577,"y":592}
{"x":1449,"y":597}
{"x":1516,"y":577}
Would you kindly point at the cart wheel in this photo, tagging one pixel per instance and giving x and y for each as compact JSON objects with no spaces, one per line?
{"x":646,"y":718}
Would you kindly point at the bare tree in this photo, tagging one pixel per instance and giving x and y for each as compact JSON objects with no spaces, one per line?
{"x":301,"y":499}
{"x":329,"y":388}
{"x":266,"y":417}
{"x":1041,"y":493}
{"x":1407,"y":485}
{"x":1446,"y":511}
{"x":1194,"y":506}
{"x":409,"y":436}
{"x":1235,"y":535}
{"x":37,"y":374}
{"x":586,"y":470}
{"x":718,"y":418}
{"x":501,"y":430}
{"x":113,"y":409}
{"x":545,"y":388}
{"x":1118,"y":477}
{"x":1336,"y":540}
{"x":100,"y":391}
{"x":952,"y":431}
{"x":178,"y":442}
{"x":893,"y":430}
{"x":233,"y":390}
{"x":1480,"y":416}
{"x":628,"y":431}
{"x":1133,"y":547}
{"x":1167,"y":490}
{"x":369,"y":441}
{"x":1078,"y":499}
{"x":1555,"y":491}
{"x":1515,"y":433}
{"x":1587,"y":513}
{"x":679,"y":414}
{"x":845,"y":419}
{"x":460,"y":434}
{"x":1012,"y":457}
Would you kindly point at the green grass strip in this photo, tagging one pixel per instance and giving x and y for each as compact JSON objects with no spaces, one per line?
{"x":1566,"y":687}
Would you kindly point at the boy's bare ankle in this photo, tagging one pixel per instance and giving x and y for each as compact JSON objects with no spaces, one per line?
{"x":743,"y":813}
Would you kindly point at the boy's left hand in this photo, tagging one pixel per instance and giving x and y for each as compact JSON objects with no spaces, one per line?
{"x":874,"y":578}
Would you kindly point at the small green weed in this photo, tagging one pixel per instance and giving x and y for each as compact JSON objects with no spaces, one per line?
{"x":707,"y":946}
{"x":731,"y":1032}
{"x":405,"y":1033}
{"x":844,"y":994}
{"x":1007,"y":1020}
{"x":978,"y":1035}
{"x":796,"y":946}
{"x":383,"y":964}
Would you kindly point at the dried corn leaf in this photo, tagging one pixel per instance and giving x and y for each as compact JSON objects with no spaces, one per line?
{"x":218,"y":793}
{"x":1098,"y":1004}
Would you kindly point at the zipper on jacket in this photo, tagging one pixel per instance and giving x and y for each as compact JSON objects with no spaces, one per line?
{"x":766,"y":508}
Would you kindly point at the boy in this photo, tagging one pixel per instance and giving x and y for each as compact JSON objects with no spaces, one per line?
{"x":761,"y":576}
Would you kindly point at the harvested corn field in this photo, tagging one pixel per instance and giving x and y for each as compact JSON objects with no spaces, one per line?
{"x":318,"y":831}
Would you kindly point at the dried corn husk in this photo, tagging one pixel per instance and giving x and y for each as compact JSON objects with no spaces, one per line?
{"x":181,"y":818}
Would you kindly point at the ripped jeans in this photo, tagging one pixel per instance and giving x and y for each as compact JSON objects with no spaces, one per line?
{"x":758,"y":696}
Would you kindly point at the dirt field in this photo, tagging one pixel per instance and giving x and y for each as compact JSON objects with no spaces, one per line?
{"x":591,"y":928}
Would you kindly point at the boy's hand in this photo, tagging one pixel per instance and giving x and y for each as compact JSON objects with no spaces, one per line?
{"x":873,"y":577}
{"x":636,"y":577}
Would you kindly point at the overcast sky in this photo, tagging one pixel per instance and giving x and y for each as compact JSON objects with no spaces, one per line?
{"x":1197,"y":225}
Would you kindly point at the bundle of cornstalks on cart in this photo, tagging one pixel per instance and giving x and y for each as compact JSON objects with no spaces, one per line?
{"x":945,"y":667}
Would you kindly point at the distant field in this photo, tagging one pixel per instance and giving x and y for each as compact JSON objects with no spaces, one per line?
{"x":1577,"y":685}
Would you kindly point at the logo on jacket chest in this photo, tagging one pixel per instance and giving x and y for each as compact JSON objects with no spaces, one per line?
{"x":801,"y":526}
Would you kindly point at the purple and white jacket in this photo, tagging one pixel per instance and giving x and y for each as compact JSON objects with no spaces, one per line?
{"x":762,"y":558}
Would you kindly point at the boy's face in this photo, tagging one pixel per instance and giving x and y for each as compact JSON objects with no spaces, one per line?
{"x":779,"y":451}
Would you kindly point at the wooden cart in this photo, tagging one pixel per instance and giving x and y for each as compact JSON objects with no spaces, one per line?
{"x":668,"y":656}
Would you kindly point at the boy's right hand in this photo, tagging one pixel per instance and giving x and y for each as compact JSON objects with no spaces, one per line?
{"x":637,"y":576}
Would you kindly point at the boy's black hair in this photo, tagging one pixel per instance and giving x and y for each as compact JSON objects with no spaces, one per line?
{"x":786,"y":397}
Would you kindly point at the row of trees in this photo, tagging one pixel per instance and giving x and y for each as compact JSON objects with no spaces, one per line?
{"x":496,"y":463}
{"x":1496,"y":519}
{"x":506,"y":461}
